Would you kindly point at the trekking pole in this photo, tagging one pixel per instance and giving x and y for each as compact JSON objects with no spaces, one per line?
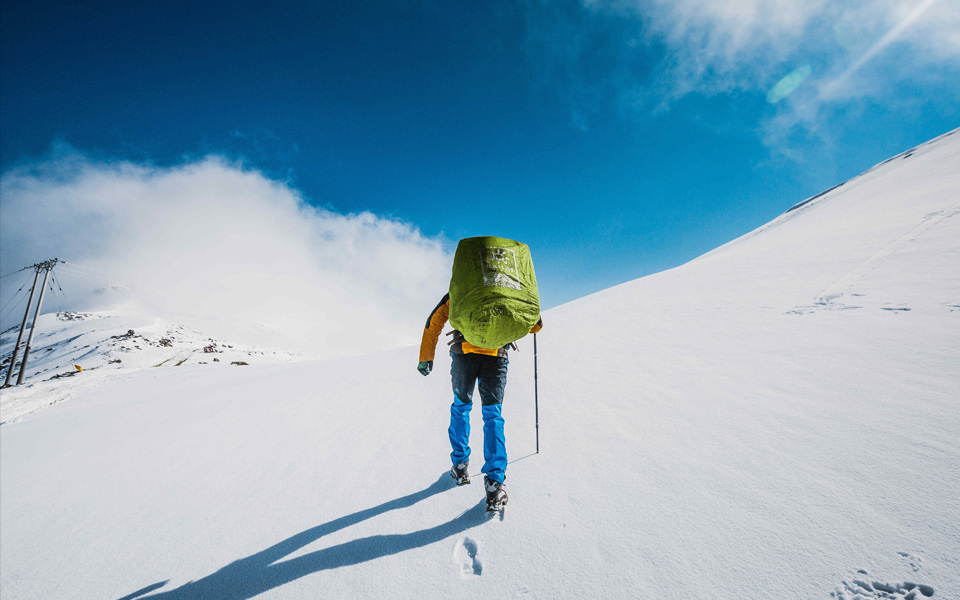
{"x":536,"y":402}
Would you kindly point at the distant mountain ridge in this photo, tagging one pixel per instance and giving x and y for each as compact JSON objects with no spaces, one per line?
{"x":104,"y":343}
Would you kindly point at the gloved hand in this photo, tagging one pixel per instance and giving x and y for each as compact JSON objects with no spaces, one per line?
{"x":425,"y":367}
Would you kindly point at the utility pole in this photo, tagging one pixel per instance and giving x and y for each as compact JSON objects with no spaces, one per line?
{"x":47,"y":267}
{"x":23,"y":325}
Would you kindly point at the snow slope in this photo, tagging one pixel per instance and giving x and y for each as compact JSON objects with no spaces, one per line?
{"x":776,"y":419}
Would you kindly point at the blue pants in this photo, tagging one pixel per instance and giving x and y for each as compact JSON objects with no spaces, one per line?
{"x":491,"y":373}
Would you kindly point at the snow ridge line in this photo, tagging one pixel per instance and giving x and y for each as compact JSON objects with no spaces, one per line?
{"x":843,"y":285}
{"x":817,"y":199}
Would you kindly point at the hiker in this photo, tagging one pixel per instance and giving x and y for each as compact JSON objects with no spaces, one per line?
{"x":470,"y":364}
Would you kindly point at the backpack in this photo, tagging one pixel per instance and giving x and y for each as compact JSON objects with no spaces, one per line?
{"x":493,"y":291}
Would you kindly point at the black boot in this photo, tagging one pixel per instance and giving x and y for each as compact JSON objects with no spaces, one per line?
{"x":496,"y":495}
{"x":459,"y":473}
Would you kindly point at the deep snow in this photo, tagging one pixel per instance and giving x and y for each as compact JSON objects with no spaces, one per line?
{"x":776,"y":419}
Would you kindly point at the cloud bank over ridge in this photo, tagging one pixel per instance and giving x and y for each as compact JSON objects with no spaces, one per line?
{"x":216,"y":245}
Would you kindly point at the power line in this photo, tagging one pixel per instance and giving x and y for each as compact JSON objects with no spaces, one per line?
{"x":63,"y":293}
{"x":113,"y":275}
{"x":10,"y":302}
{"x":94,"y":277}
{"x":73,"y":264}
{"x":64,"y":306}
{"x":17,"y":292}
{"x":55,"y":294}
{"x":18,"y":271}
{"x":84,"y":276}
{"x":14,"y":307}
{"x":142,"y":284}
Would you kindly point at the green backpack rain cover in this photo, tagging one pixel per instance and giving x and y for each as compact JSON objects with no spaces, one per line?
{"x":493,"y":291}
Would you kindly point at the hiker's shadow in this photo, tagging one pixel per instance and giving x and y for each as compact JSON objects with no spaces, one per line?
{"x":260,"y":572}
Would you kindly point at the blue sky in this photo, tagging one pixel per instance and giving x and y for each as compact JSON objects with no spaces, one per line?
{"x":617,"y":139}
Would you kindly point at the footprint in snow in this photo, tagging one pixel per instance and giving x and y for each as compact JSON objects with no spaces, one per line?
{"x":465,"y":557}
{"x":863,"y":587}
{"x":828,"y":304}
{"x":915,"y":562}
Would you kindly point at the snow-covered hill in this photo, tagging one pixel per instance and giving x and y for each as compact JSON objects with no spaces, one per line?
{"x":73,"y":351}
{"x":776,"y":419}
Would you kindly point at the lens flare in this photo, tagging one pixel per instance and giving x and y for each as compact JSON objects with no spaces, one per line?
{"x":788,"y":84}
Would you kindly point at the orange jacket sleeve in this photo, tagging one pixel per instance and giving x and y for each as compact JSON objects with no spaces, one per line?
{"x":431,"y":331}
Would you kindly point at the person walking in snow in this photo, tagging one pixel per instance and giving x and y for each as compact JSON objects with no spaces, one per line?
{"x":469,"y":365}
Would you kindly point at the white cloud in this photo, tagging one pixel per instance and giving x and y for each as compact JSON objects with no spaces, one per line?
{"x":742,"y":43}
{"x":899,"y":29}
{"x":223,"y":247}
{"x":710,"y":45}
{"x":858,"y":49}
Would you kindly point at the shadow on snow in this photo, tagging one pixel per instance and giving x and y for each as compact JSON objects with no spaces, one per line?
{"x":261,"y":572}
